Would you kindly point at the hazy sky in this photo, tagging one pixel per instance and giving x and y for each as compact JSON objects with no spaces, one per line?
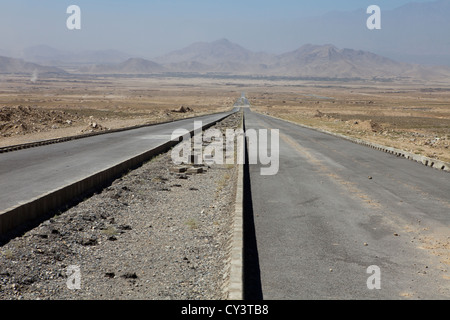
{"x":153,"y":27}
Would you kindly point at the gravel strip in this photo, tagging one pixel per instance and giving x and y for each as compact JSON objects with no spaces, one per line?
{"x":153,"y":234}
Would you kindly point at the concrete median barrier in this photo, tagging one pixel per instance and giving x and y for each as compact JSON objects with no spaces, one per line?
{"x":30,"y":210}
{"x":236,"y":282}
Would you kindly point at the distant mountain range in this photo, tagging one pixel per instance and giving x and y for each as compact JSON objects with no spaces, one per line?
{"x":11,"y":65}
{"x":329,"y":61}
{"x":316,"y":61}
{"x":416,"y":32}
{"x":411,"y":36}
{"x":225,"y":57}
{"x":130,"y":66}
{"x":215,"y":53}
{"x":46,"y":55}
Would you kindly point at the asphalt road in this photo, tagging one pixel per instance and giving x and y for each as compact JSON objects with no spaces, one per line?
{"x":334,"y":209}
{"x":29,"y":173}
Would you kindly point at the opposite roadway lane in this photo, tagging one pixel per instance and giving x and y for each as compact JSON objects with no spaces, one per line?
{"x":29,"y":173}
{"x":335,"y":208}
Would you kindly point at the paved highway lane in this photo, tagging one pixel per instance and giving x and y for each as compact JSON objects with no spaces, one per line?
{"x":335,"y":208}
{"x":29,"y":173}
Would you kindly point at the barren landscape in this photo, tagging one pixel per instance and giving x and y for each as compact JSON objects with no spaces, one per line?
{"x":108,"y":231}
{"x":64,"y":106}
{"x":411,"y":117}
{"x":153,"y":234}
{"x":102,"y":200}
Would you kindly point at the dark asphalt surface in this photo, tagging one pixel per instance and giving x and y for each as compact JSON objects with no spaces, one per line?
{"x":29,"y":173}
{"x":335,"y":208}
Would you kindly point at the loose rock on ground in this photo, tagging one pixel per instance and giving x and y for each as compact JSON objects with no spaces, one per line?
{"x":152,"y":234}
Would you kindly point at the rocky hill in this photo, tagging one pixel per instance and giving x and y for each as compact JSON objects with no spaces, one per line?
{"x":130,"y":66}
{"x":307,"y":61}
{"x":12,"y":65}
{"x":315,"y":61}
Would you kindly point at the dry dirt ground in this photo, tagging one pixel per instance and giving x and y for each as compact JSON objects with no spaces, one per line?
{"x":414,"y":117}
{"x":411,"y":117}
{"x":59,"y":107}
{"x":154,"y":234}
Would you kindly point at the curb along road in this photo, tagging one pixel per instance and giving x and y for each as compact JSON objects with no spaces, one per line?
{"x":235,"y":291}
{"x":86,"y":135}
{"x":429,"y":162}
{"x":36,"y":208}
